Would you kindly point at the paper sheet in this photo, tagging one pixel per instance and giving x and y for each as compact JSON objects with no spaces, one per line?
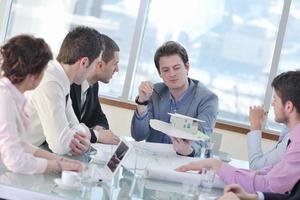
{"x":143,"y":159}
{"x":155,"y":148}
{"x":191,"y":178}
{"x":173,"y":176}
{"x":168,"y":129}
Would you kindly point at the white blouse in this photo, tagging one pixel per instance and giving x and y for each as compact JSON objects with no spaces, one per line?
{"x":15,"y":154}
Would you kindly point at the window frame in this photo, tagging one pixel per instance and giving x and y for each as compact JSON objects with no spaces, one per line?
{"x":136,"y":49}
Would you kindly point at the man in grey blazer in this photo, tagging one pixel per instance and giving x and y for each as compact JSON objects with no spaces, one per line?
{"x":177,"y":93}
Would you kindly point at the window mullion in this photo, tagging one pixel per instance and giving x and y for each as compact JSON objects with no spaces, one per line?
{"x":135,"y":48}
{"x":276,"y":53}
{"x":7,"y":5}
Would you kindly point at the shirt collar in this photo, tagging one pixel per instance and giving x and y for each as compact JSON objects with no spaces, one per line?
{"x":191,"y":85}
{"x":21,"y":100}
{"x":84,"y":87}
{"x":61,"y":76}
{"x":295,"y":133}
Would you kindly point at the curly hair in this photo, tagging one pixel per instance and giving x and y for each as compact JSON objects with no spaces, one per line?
{"x":23,"y":55}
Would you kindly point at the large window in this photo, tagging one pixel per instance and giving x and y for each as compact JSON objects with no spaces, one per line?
{"x":290,"y":53}
{"x":231,"y":43}
{"x":53,"y":19}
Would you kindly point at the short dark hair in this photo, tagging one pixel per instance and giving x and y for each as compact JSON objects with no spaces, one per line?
{"x":110,"y":47}
{"x":23,"y":55}
{"x":170,"y":48}
{"x":80,"y":42}
{"x":287,"y":87}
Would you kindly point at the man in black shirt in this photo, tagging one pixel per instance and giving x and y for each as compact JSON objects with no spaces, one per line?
{"x":85,"y":99}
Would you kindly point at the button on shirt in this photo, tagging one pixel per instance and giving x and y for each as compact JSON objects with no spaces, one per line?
{"x":277,"y":179}
{"x":15,"y":154}
{"x":51,"y":118}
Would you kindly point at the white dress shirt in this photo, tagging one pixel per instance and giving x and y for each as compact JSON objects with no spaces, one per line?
{"x":52,"y":117}
{"x":257,"y":158}
{"x":15,"y":154}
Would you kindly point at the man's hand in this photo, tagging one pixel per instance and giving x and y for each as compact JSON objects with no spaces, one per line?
{"x":63,"y":165}
{"x":229,"y":196}
{"x":239,"y":192}
{"x":181,"y":146}
{"x":145,"y":91}
{"x":80,"y":143}
{"x":106,"y":136}
{"x":211,"y":163}
{"x":256,"y":117}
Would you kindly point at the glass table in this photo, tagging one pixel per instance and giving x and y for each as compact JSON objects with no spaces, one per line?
{"x":125,"y":185}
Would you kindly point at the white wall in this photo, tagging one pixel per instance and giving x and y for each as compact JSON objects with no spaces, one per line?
{"x":233,"y":143}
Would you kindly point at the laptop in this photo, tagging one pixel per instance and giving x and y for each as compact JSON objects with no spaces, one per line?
{"x":114,"y":162}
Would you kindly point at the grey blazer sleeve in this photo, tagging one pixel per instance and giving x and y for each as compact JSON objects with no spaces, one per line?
{"x":140,"y":128}
{"x":207,"y":111}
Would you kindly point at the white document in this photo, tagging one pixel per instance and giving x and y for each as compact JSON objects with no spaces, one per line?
{"x":168,"y":129}
{"x":173,"y":176}
{"x":154,"y":156}
{"x":191,"y":178}
{"x":154,"y":148}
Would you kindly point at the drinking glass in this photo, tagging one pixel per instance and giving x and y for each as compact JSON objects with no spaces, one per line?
{"x":208,"y":178}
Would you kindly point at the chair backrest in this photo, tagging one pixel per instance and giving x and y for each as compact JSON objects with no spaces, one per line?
{"x":217,"y":139}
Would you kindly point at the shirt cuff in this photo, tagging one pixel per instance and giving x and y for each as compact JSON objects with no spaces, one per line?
{"x":190,"y":155}
{"x":142,"y":116}
{"x":41,"y":164}
{"x":260,"y":196}
{"x":84,"y":129}
{"x":29,"y":148}
{"x":255,"y":133}
{"x":94,"y":136}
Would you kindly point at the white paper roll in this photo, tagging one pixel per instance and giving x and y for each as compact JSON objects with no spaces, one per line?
{"x":180,"y":177}
{"x":174,"y":176}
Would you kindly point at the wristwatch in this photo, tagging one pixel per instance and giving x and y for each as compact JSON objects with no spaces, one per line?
{"x":141,"y":103}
